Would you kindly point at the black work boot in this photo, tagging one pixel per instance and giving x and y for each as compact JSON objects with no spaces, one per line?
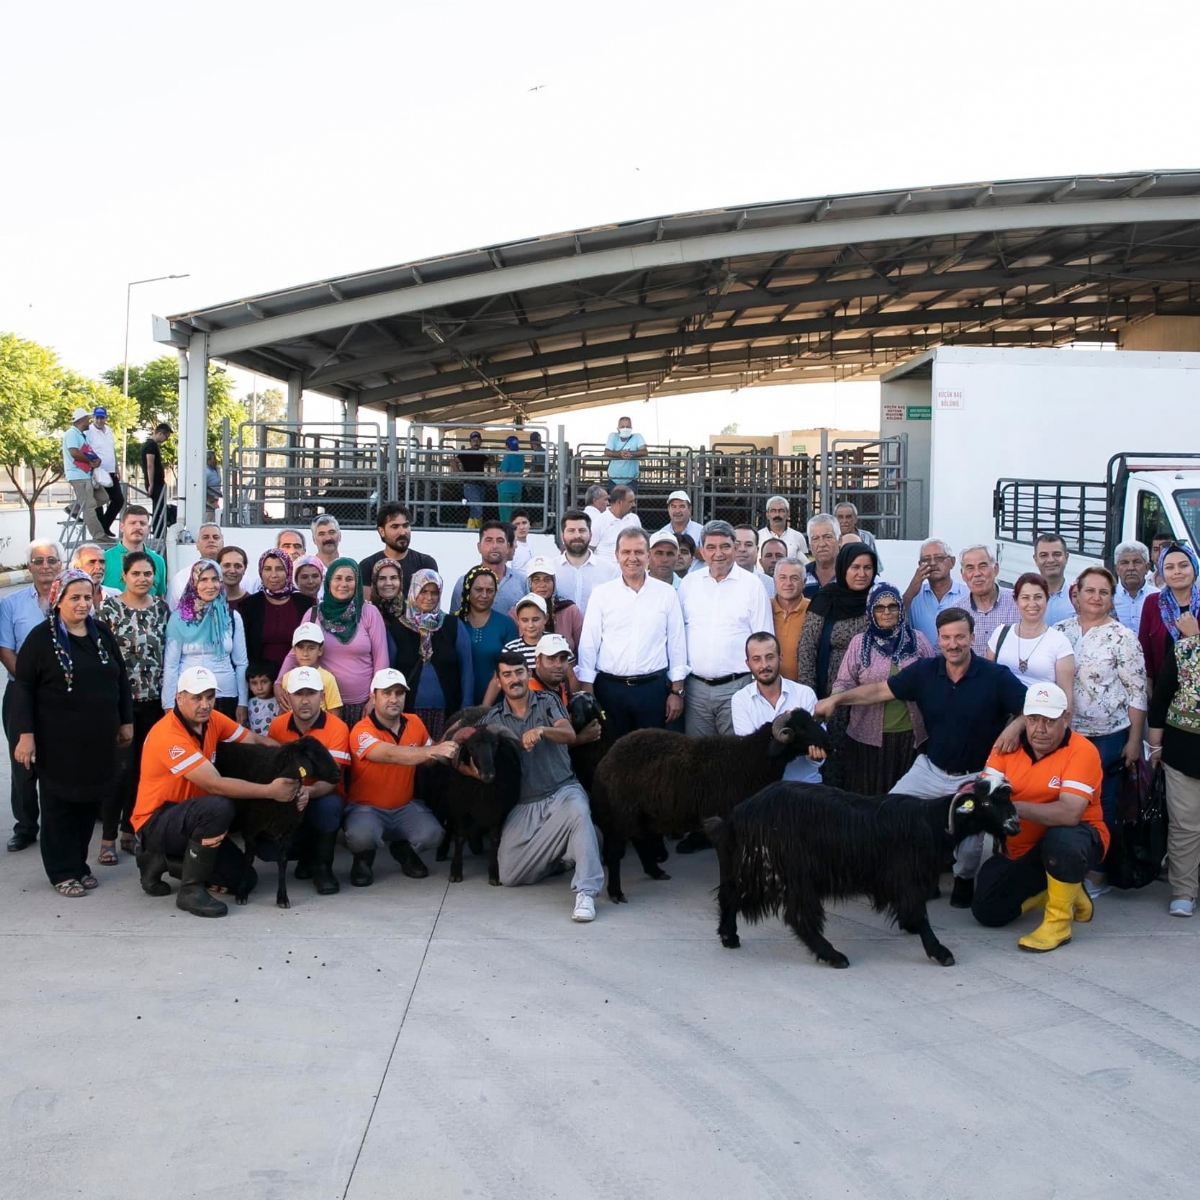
{"x":324,"y":880}
{"x":199,"y":861}
{"x":151,"y":865}
{"x":361,"y":873}
{"x":302,"y":845}
{"x":963,"y":894}
{"x":409,"y":860}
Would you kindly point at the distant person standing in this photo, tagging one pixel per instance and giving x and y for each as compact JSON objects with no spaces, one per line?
{"x":625,"y":448}
{"x":212,"y":486}
{"x":108,"y":474}
{"x":512,"y":468}
{"x":595,"y":505}
{"x":621,"y":514}
{"x":152,"y":468}
{"x":473,"y":461}
{"x":79,"y":461}
{"x":778,"y":516}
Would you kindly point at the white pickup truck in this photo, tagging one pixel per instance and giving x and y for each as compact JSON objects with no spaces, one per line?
{"x":1143,"y":494}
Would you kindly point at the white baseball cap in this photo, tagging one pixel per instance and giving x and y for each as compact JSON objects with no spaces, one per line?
{"x":553,"y":643}
{"x":196,"y":680}
{"x":664,"y":535}
{"x":680,"y":495}
{"x":78,"y":413}
{"x":530,"y":598}
{"x":308,"y":631}
{"x":539,"y":566}
{"x":1045,"y":700}
{"x":388,"y":677}
{"x":300,"y":679}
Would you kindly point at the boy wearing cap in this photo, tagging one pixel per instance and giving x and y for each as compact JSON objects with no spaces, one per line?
{"x":323,"y":814}
{"x":386,"y":748}
{"x":107,"y":472}
{"x":79,"y":460}
{"x":308,"y":644}
{"x":679,"y":509}
{"x":184,"y":805}
{"x":1055,"y":776}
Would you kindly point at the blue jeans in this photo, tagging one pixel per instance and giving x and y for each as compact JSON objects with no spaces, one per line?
{"x":473,"y":494}
{"x":631,"y":484}
{"x":1109,"y":747}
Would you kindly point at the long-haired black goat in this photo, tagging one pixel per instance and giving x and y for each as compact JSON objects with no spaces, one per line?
{"x":653,"y":782}
{"x":304,"y":759}
{"x":795,"y":845}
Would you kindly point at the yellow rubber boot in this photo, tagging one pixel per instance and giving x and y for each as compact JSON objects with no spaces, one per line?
{"x":1055,"y":929}
{"x":1038,"y":901}
{"x":1084,"y":908}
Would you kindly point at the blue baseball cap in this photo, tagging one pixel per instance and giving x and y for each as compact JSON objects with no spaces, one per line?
{"x":513,"y":443}
{"x":100,"y":411}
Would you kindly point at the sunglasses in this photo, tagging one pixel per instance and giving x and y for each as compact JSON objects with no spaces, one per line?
{"x":48,"y":559}
{"x":886,"y":608}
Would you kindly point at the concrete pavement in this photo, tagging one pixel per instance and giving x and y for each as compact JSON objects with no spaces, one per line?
{"x":420,"y":1039}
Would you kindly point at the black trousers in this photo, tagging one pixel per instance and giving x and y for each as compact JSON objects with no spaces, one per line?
{"x":116,"y":502}
{"x":24,"y":790}
{"x":642,"y":706}
{"x":226,"y":705}
{"x":1066,"y":852}
{"x":118,"y":805}
{"x":171,"y":827}
{"x":67,"y":827}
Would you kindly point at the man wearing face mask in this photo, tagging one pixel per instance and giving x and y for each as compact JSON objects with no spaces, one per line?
{"x":625,"y":448}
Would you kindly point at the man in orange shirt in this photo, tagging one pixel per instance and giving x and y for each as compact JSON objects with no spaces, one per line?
{"x":386,"y":748}
{"x":323,"y":813}
{"x":184,"y":805}
{"x":1055,"y":777}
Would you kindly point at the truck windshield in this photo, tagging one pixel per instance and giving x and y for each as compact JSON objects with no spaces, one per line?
{"x":1188,"y":500}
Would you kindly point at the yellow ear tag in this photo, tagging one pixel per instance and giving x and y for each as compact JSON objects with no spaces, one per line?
{"x":303,"y":773}
{"x":967,"y":806}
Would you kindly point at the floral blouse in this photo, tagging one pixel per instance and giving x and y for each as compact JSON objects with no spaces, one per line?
{"x":1110,"y":676}
{"x":141,"y":634}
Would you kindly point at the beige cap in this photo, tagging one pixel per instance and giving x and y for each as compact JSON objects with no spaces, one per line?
{"x":539,"y":566}
{"x":664,"y":535}
{"x":308,"y":631}
{"x":530,"y":598}
{"x":388,"y":677}
{"x":196,"y":680}
{"x":550,"y":644}
{"x":680,"y":495}
{"x":1045,"y":700}
{"x":301,"y":679}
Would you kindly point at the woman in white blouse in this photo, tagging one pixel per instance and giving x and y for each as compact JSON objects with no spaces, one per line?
{"x":1030,"y":649}
{"x":1110,"y":690}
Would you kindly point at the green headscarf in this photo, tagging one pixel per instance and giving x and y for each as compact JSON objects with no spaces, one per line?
{"x":340,"y":617}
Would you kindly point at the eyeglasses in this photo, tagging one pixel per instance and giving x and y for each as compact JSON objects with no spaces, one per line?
{"x":886,"y":608}
{"x":937,"y":558}
{"x":48,"y":559}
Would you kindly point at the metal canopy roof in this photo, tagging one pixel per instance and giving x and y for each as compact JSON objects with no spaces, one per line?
{"x":834,"y":288}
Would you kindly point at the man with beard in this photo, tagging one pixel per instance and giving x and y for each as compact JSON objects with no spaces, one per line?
{"x":770,"y":694}
{"x":495,"y":542}
{"x":393,"y":523}
{"x":579,"y":569}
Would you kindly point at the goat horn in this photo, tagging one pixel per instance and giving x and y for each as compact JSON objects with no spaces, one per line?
{"x":459,"y":735}
{"x":504,"y":732}
{"x":781,"y":731}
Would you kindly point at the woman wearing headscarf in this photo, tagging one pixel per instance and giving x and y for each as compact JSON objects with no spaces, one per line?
{"x":1159,"y":628}
{"x":72,"y":710}
{"x":272,"y":614}
{"x":202,"y":632}
{"x":308,"y":575}
{"x":387,"y":594}
{"x":881,"y":739}
{"x":512,"y":471}
{"x":433,"y":650}
{"x":355,"y":641}
{"x":487,"y":629}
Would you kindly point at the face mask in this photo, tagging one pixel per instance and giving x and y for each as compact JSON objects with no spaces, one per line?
{"x":624,"y":434}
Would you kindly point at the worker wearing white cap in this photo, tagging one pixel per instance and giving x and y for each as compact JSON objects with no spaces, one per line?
{"x":386,"y":748}
{"x":1055,"y":776}
{"x":552,"y":662}
{"x":185,"y":806}
{"x":79,"y":461}
{"x":664,"y":553}
{"x":679,"y":509}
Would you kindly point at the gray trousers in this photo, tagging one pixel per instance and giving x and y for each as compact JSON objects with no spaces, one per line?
{"x":90,"y":496}
{"x":707,"y":709}
{"x":925,"y":780}
{"x":413,"y":823}
{"x":538,"y":833}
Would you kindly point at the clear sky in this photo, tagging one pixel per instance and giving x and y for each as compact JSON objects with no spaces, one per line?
{"x":256,"y":144}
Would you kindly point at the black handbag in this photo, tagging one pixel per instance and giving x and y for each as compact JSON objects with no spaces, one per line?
{"x":1138,"y":846}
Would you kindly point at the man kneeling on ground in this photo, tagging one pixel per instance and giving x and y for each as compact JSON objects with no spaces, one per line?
{"x":185,"y":806}
{"x":553,"y":821}
{"x":1055,"y":777}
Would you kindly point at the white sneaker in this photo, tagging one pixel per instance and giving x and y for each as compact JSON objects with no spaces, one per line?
{"x":1181,"y":906}
{"x":1096,"y":890}
{"x":585,"y":908}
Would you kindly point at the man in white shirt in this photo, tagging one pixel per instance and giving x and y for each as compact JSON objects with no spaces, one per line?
{"x":633,"y":648}
{"x":778,"y":514}
{"x":595,"y":505}
{"x":579,"y":570}
{"x":745,"y":554}
{"x":621,"y":515}
{"x":100,"y":437}
{"x":1132,"y":561}
{"x":768,"y":695}
{"x":722,"y":606}
{"x":679,"y":509}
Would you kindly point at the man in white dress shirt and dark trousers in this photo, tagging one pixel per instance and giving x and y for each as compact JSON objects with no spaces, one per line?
{"x":633,"y":648}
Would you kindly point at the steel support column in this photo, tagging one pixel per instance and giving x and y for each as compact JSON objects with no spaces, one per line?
{"x":193,"y":430}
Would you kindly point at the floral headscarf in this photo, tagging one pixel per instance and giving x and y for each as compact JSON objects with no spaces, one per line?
{"x":464,"y":601}
{"x":1168,"y":606}
{"x":308,"y":560}
{"x":426,"y":624}
{"x":288,"y":586}
{"x":62,"y":639}
{"x":897,"y":643}
{"x":194,"y":620}
{"x":393,"y":606}
{"x":341,"y":617}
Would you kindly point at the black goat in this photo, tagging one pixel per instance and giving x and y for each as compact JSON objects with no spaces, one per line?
{"x":653,"y":782}
{"x":796,"y":845}
{"x":583,"y":708}
{"x":305,"y":759}
{"x":469,"y":806}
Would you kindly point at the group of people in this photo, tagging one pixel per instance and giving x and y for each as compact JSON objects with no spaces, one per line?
{"x":709,"y":629}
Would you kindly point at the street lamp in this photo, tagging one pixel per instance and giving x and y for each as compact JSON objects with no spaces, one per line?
{"x":128,"y":294}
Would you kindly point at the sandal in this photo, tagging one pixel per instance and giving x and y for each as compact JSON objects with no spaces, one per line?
{"x":89,"y":882}
{"x":108,"y":854}
{"x":129,"y":843}
{"x":71,"y":888}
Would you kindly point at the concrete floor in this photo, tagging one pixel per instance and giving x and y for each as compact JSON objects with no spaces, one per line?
{"x":422,"y":1040}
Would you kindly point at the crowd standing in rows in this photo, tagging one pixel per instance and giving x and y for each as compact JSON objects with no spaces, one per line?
{"x":711,"y":629}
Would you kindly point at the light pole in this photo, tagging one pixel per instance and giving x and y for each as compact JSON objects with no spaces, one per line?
{"x":128,"y":295}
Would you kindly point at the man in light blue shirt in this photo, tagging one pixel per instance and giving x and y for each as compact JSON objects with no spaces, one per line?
{"x":933,"y":589}
{"x":78,"y":461}
{"x":1050,"y":557}
{"x":625,"y":447}
{"x":1134,"y":584}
